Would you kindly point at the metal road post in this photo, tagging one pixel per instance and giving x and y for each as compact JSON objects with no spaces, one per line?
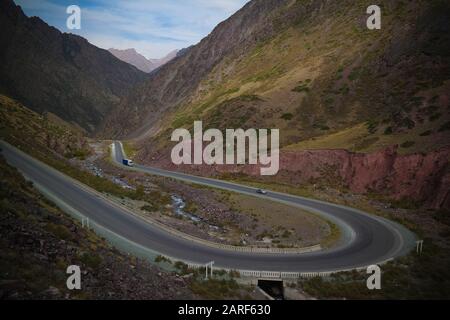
{"x":206,"y":269}
{"x":419,"y":246}
{"x":85,"y":222}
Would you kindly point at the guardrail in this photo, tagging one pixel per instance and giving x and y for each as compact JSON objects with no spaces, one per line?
{"x":144,"y":252}
{"x":251,"y":249}
{"x":276,"y":275}
{"x":281,"y":275}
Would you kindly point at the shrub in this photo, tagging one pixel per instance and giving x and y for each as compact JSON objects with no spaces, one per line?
{"x":183,"y":267}
{"x":434,"y":117}
{"x":287,"y":116}
{"x":426,"y":133}
{"x":372,"y":126}
{"x":407,"y":144}
{"x":161,"y":258}
{"x":149,"y":208}
{"x":59,"y":231}
{"x":91,"y":260}
{"x":388,"y":131}
{"x":407,"y":123}
{"x":445,"y":127}
{"x":215,"y":289}
{"x":301,"y":88}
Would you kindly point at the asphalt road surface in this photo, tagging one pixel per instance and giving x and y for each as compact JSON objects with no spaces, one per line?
{"x":366,"y":239}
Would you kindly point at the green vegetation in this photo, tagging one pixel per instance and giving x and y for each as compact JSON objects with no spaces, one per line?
{"x":31,"y":136}
{"x":333,"y":237}
{"x":411,"y":277}
{"x":91,"y":260}
{"x":365,"y":143}
{"x":372,"y":126}
{"x":406,"y":203}
{"x":275,"y":71}
{"x":407,"y":144}
{"x":444,"y":127}
{"x":338,"y":64}
{"x":162,"y":259}
{"x":39,"y":242}
{"x":129,"y":149}
{"x":215,"y":289}
{"x":249,"y":97}
{"x":426,"y":133}
{"x":80,"y":154}
{"x":182,"y":267}
{"x":155,"y":199}
{"x":59,"y":231}
{"x":301,"y":88}
{"x":435,"y":117}
{"x":287,"y":116}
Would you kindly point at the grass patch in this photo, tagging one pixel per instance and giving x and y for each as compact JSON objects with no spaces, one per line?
{"x":410,"y":277}
{"x":162,"y":259}
{"x":407,"y":144}
{"x":90,"y":259}
{"x":444,"y":127}
{"x":59,"y":231}
{"x":301,"y":88}
{"x":287,"y":116}
{"x":215,"y":288}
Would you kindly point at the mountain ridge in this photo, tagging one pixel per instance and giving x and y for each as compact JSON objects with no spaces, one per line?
{"x":313,"y":81}
{"x":59,"y":72}
{"x":131,"y":56}
{"x":177,"y":79}
{"x":313,"y":70}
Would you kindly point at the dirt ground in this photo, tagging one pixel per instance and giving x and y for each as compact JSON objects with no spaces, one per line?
{"x":211,"y":214}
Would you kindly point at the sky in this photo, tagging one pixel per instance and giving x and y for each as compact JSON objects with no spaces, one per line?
{"x":152,"y":27}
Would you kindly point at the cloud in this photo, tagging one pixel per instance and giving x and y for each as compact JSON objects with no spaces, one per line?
{"x":152,"y":27}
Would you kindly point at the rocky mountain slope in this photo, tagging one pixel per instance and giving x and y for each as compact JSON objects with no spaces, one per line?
{"x":39,"y":242}
{"x":131,"y":56}
{"x":57,"y":72}
{"x":162,"y":61}
{"x":313,"y":70}
{"x":175,"y":82}
{"x":46,"y":134}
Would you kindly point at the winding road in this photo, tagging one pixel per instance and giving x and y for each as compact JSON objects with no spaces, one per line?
{"x":366,"y":239}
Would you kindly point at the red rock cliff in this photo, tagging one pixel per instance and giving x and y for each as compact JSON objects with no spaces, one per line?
{"x":419,"y":177}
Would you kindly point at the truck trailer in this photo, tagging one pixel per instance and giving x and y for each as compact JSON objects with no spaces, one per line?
{"x":127,"y":162}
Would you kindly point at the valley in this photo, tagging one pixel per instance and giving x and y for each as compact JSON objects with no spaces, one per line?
{"x":359,"y":118}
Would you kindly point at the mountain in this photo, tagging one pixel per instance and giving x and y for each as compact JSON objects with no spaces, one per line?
{"x":315,"y":71}
{"x":310,"y":68}
{"x":61,"y":73}
{"x":134,"y":58}
{"x":176,"y":81}
{"x":162,"y":61}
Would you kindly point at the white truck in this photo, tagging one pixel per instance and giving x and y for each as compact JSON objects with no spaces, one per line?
{"x":127,"y":162}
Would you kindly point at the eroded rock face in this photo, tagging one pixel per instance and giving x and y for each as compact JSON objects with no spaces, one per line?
{"x":66,"y":143}
{"x":420,"y":177}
